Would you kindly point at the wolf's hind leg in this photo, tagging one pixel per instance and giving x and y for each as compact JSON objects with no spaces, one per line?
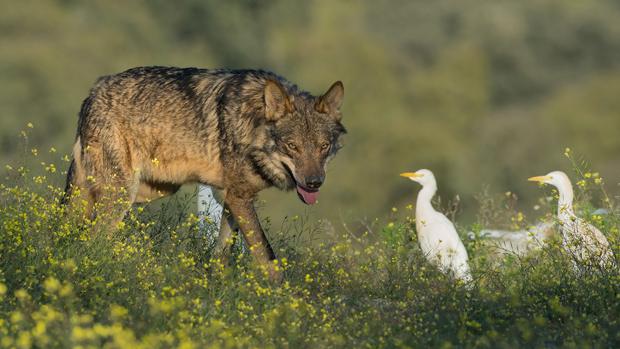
{"x":113,"y":201}
{"x":77,"y":198}
{"x":111,"y":181}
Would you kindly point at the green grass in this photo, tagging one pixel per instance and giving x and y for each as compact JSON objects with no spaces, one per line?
{"x":154,"y":284}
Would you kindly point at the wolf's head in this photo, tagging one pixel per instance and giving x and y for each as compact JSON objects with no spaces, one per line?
{"x":303,"y":135}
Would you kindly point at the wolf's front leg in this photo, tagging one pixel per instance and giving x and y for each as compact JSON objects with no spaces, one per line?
{"x":255,"y":239}
{"x":225,"y":239}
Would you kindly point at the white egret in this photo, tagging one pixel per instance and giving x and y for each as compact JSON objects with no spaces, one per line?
{"x":437,"y":235}
{"x":210,"y":210}
{"x":580,"y":238}
{"x":518,"y":242}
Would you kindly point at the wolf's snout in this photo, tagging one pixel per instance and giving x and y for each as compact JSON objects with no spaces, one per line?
{"x":309,"y":190}
{"x":314,"y":182}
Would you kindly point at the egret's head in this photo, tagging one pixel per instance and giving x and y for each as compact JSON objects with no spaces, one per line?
{"x":558,"y":179}
{"x":424,"y":177}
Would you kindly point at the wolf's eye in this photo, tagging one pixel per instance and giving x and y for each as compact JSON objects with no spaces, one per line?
{"x":291,"y":146}
{"x":324,"y":146}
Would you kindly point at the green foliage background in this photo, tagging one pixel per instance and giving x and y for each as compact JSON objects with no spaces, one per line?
{"x":482,"y":92}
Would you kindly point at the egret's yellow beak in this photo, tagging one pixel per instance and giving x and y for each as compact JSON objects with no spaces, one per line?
{"x":539,"y":179}
{"x":410,"y":175}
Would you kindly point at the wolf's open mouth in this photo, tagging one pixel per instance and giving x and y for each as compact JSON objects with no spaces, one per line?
{"x":306,"y":195}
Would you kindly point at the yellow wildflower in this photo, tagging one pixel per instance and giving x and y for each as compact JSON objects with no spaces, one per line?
{"x":51,"y":284}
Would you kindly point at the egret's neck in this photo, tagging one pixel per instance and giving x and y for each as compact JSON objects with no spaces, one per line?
{"x":565,"y":203}
{"x":423,"y":204}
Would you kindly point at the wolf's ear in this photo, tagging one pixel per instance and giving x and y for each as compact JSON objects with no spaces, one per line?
{"x":277,"y":101}
{"x":331,"y":101}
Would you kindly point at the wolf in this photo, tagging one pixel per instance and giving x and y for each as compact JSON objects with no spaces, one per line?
{"x":144,"y":132}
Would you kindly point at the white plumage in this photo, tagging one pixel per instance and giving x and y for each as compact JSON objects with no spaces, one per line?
{"x":518,"y":242}
{"x":580,"y":238}
{"x":437,"y":235}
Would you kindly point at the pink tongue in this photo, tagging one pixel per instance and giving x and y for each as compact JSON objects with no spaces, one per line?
{"x":308,"y":197}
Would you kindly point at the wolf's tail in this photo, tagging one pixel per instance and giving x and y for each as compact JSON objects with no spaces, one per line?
{"x":70,"y":173}
{"x":75,"y":172}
